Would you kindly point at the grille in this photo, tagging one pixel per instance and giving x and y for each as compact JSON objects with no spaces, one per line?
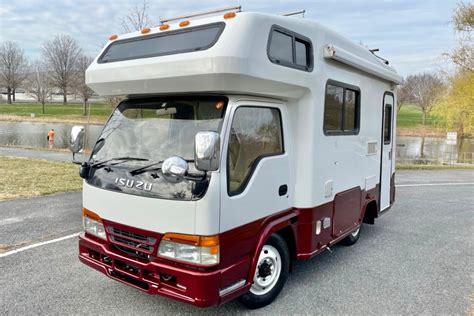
{"x":132,"y":243}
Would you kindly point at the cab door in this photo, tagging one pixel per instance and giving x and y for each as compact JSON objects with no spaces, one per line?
{"x":255,"y":177}
{"x":387,"y":150}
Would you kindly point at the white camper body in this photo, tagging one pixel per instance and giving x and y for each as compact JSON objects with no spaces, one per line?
{"x":320,"y":111}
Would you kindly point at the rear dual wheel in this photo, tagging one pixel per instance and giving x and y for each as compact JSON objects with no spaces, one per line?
{"x":271,"y":272}
{"x":352,"y":238}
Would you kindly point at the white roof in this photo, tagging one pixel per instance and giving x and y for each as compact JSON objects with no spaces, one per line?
{"x":237,"y":63}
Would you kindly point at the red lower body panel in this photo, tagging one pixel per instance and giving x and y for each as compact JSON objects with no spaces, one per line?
{"x":239,"y":248}
{"x":200,"y":288}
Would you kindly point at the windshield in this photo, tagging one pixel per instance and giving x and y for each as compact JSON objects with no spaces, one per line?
{"x":157,"y":128}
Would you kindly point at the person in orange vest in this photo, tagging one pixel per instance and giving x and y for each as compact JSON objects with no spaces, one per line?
{"x":50,"y":137}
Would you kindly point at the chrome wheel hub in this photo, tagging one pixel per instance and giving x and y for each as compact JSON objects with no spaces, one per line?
{"x":267,"y":272}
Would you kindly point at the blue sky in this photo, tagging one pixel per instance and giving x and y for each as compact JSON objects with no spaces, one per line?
{"x":413,"y":35}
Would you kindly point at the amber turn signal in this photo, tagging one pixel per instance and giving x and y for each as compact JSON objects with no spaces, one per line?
{"x":229,"y":15}
{"x":90,"y":214}
{"x":202,"y":241}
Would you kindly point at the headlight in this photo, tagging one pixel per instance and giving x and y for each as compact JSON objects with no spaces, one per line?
{"x":202,"y":250}
{"x":93,"y":224}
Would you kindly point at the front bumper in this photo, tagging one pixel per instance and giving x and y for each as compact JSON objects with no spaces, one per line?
{"x":200,"y":288}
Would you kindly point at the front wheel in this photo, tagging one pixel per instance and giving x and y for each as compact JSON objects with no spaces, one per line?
{"x":270,"y":274}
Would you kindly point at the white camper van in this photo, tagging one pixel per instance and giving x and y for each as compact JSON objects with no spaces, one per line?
{"x":246,"y":141}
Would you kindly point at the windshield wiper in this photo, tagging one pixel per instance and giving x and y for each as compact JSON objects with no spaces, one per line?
{"x":84,"y":171}
{"x":146,"y":168}
{"x":119,"y":159}
{"x":143,"y":169}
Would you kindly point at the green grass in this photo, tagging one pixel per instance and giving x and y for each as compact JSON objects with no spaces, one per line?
{"x":43,"y":177}
{"x":409,"y":115}
{"x":412,"y":116}
{"x":431,"y":167}
{"x":54,"y":109}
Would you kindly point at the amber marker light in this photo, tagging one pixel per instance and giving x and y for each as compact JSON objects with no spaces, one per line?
{"x":93,"y":224}
{"x":90,"y":214}
{"x":146,"y":30}
{"x":164,"y":27}
{"x":113,"y":37}
{"x":184,"y":23}
{"x":229,"y":15}
{"x":219,"y":105}
{"x":201,"y":250}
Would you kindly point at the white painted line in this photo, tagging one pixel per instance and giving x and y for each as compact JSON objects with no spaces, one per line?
{"x":12,"y":252}
{"x":433,"y":184}
{"x":10,"y":220}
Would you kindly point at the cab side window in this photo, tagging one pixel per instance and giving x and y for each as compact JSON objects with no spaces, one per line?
{"x":255,"y":133}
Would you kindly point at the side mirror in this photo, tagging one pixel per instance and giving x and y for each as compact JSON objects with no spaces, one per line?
{"x":77,"y":139}
{"x":76,"y":142}
{"x":207,"y":151}
{"x":174,"y":169}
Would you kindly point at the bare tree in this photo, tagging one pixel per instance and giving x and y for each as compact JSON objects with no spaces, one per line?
{"x":423,"y":90}
{"x":61,"y":54}
{"x":136,"y":18}
{"x":402,"y":96}
{"x":13,"y":67}
{"x":463,"y":22}
{"x":80,"y":86}
{"x":38,"y":83}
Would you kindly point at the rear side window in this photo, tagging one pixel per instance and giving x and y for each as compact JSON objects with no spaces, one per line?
{"x":255,"y":133}
{"x":387,"y":125}
{"x":167,"y":43}
{"x":341,"y":109}
{"x":290,"y":49}
{"x":281,"y":47}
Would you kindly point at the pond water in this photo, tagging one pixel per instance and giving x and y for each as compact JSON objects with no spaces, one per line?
{"x":28,"y":134}
{"x":408,"y":149}
{"x":412,"y":149}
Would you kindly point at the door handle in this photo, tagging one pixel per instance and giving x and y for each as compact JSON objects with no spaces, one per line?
{"x":283,"y":189}
{"x":390,"y":155}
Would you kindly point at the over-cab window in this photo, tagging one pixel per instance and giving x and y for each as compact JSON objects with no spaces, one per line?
{"x":290,"y":49}
{"x":255,"y":133}
{"x":165,"y":43}
{"x":341,"y":109}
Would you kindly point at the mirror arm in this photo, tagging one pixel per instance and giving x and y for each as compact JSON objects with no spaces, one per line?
{"x":196,"y":177}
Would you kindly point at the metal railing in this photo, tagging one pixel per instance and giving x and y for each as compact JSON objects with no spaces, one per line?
{"x":208,"y":12}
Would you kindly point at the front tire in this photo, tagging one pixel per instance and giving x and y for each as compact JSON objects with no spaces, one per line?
{"x":272,"y":270}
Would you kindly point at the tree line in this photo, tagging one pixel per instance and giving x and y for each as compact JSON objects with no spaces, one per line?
{"x":448,"y":98}
{"x":62,"y":66}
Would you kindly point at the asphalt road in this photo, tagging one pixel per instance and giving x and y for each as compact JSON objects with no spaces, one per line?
{"x":417,"y":258}
{"x":37,"y":153}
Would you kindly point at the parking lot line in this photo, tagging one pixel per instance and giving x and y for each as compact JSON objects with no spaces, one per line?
{"x":12,"y":252}
{"x":433,"y":184}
